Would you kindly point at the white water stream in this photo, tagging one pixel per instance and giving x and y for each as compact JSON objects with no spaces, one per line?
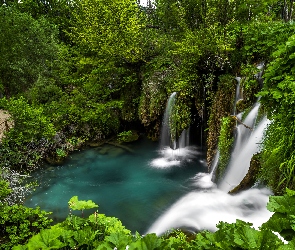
{"x":247,"y":144}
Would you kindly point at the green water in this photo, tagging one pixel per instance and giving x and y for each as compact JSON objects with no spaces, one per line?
{"x":122,"y":183}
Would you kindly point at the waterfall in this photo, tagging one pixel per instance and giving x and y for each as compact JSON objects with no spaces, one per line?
{"x":173,"y":151}
{"x":166,"y":137}
{"x":184,"y":138}
{"x":247,"y":144}
{"x":214,"y":165}
{"x":209,"y":203}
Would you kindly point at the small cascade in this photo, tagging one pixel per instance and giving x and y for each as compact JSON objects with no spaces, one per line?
{"x":166,"y":138}
{"x":247,"y":144}
{"x":214,"y":165}
{"x":259,"y":75}
{"x":184,"y":138}
{"x":173,"y":152}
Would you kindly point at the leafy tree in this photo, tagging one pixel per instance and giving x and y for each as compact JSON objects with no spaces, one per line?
{"x":28,"y":48}
{"x":108,"y":29}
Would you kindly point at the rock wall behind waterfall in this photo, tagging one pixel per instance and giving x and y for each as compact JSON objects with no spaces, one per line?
{"x":222,"y":106}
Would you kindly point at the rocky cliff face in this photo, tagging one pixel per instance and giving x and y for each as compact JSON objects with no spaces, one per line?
{"x":5,"y":122}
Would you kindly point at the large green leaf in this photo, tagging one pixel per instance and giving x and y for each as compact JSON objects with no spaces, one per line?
{"x":119,"y":240}
{"x":148,"y":242}
{"x":76,"y":204}
{"x":46,"y":239}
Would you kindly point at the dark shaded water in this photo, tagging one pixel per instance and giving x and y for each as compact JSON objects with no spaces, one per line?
{"x":123,"y":184}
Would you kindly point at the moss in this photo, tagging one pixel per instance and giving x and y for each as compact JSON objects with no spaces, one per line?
{"x":127,"y":136}
{"x":240,"y":106}
{"x":250,"y":84}
{"x":181,"y":115}
{"x":225,"y":143}
{"x":222,"y":106}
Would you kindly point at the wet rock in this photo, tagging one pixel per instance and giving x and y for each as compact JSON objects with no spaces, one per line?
{"x":240,"y":105}
{"x":250,"y":178}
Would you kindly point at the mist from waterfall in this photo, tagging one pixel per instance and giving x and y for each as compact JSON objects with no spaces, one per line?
{"x":210,"y":203}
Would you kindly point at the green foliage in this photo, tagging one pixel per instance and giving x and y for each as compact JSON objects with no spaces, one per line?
{"x":5,"y":190}
{"x":19,"y":223}
{"x":29,"y":122}
{"x":109,"y":29}
{"x":238,"y":235}
{"x":25,"y":143}
{"x":28,"y":48}
{"x":278,"y":98}
{"x":225,"y":143}
{"x":75,"y":204}
{"x":95,"y":232}
{"x":148,"y":242}
{"x":127,"y":136}
{"x":61,"y":152}
{"x":261,"y":39}
{"x":283,"y":220}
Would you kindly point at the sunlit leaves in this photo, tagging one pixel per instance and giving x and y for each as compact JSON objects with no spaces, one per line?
{"x":76,"y":204}
{"x":148,"y":242}
{"x":109,"y":28}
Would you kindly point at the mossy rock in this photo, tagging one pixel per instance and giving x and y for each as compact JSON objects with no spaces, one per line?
{"x":222,"y":106}
{"x":240,"y":105}
{"x":55,"y":160}
{"x":225,"y":144}
{"x":251,"y":177}
{"x":127,"y":136}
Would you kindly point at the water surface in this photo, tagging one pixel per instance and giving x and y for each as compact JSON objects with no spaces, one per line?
{"x":124,"y":184}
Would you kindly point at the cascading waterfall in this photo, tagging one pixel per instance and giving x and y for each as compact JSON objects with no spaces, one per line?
{"x":209,"y":204}
{"x":247,"y":144}
{"x":173,"y":152}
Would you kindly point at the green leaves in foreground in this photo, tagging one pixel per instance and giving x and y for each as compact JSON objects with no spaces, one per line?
{"x":283,"y":220}
{"x":241,"y":235}
{"x":106,"y":233}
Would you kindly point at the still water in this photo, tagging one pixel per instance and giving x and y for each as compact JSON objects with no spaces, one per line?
{"x":136,"y":185}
